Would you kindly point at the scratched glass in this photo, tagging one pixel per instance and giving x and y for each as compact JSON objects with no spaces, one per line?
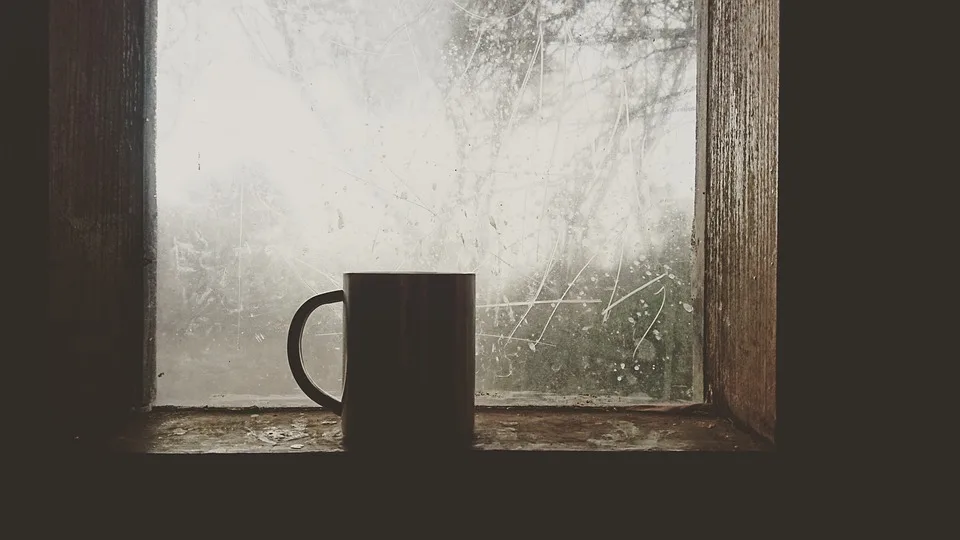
{"x":547,"y":146}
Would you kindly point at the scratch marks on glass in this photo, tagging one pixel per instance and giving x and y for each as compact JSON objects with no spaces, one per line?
{"x":406,"y":25}
{"x":516,"y":102}
{"x":300,"y":276}
{"x":499,"y":337}
{"x":540,"y":89}
{"x":374,"y":185}
{"x":491,"y":17}
{"x":546,"y":273}
{"x":634,"y":174}
{"x":473,"y":53}
{"x":334,"y":281}
{"x":657,"y":316}
{"x":608,"y":149}
{"x":409,"y":189}
{"x":479,"y":334}
{"x":413,"y":48}
{"x":616,"y":281}
{"x":553,"y":147}
{"x":606,"y":311}
{"x":570,"y":286}
{"x":551,"y":302}
{"x":269,"y":208}
{"x":351,"y":48}
{"x":240,"y":268}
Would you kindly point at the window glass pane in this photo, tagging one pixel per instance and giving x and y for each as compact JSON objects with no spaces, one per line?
{"x":547,"y":145}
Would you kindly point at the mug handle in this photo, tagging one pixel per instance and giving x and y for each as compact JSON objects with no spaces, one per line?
{"x":295,"y":354}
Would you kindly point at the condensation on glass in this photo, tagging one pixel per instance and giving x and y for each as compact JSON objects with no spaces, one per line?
{"x":547,"y":146}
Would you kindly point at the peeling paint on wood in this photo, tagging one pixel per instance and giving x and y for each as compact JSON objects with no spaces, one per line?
{"x":212,"y":431}
{"x":740,"y":168}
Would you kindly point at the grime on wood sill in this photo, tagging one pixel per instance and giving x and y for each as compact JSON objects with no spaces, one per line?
{"x":223,"y":431}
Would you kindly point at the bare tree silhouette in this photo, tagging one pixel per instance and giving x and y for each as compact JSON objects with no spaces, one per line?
{"x":596,"y":82}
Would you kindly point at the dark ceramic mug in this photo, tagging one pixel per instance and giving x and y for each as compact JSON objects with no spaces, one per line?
{"x":408,"y":359}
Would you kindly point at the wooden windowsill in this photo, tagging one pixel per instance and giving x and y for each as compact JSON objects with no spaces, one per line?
{"x":298,"y":431}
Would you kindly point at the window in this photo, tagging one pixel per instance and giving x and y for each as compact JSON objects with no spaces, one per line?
{"x":548,"y":146}
{"x":101,"y":243}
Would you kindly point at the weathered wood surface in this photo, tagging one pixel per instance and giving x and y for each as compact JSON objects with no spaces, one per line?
{"x":220,"y":431}
{"x":96,"y":208}
{"x":739,"y":163}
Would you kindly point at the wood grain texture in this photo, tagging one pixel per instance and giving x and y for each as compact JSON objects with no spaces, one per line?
{"x":700,"y":201}
{"x":739,"y":163}
{"x":96,"y":207}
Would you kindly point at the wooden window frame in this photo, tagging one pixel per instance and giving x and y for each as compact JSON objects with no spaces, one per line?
{"x":102,"y":209}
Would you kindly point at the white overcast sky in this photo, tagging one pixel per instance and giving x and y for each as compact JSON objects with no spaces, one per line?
{"x":222,"y":108}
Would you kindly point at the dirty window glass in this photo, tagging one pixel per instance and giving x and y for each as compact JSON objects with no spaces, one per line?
{"x":547,"y":145}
